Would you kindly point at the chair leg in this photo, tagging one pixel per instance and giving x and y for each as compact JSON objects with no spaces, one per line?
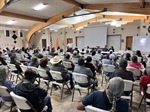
{"x":51,"y":89}
{"x":68,"y":87}
{"x":62,"y":91}
{"x":73,"y":94}
{"x":79,"y":91}
{"x":141,"y":101}
{"x":102,"y":79}
{"x":47,"y":85}
{"x":12,"y":104}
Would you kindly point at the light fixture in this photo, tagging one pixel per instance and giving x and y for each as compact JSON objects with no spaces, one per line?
{"x":39,"y":6}
{"x":75,"y":15}
{"x":113,"y":23}
{"x":11,"y":22}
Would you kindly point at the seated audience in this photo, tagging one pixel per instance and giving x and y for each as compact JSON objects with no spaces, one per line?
{"x":34,"y":62}
{"x":99,"y":55}
{"x":112,"y":48}
{"x":75,"y":54}
{"x":57,"y":66}
{"x":32,"y":92}
{"x":16,"y":63}
{"x":139,"y":55}
{"x":136,"y":64}
{"x":105,"y":48}
{"x":129,"y":51}
{"x":128,"y":57}
{"x":123,"y":73}
{"x":44,"y":65}
{"x":4,"y":81}
{"x":145,"y":80}
{"x":67,"y":59}
{"x":2,"y":60}
{"x":110,"y":99}
{"x":80,"y":68}
{"x":90,"y":65}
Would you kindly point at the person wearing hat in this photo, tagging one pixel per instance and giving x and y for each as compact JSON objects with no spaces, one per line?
{"x":110,"y":99}
{"x":2,"y":60}
{"x":57,"y":66}
{"x":32,"y":92}
{"x":75,"y":54}
{"x":34,"y":62}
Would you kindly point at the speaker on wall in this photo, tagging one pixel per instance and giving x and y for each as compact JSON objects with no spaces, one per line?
{"x":6,"y":33}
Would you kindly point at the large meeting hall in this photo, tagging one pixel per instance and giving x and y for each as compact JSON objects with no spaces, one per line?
{"x":74,"y":55}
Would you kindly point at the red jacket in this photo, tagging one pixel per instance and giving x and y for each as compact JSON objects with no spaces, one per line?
{"x":144,"y":81}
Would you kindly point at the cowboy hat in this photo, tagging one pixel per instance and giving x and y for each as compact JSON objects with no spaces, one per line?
{"x":55,"y":60}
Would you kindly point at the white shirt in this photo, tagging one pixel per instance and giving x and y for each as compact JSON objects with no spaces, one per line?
{"x":70,"y":45}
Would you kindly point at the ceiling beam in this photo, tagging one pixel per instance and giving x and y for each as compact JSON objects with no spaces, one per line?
{"x":142,"y":3}
{"x":63,"y":24}
{"x":52,"y":20}
{"x":121,"y":7}
{"x":73,"y":2}
{"x":3,"y":4}
{"x":20,"y":16}
{"x":115,"y":17}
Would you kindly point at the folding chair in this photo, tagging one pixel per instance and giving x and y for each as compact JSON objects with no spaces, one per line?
{"x":67,"y":65}
{"x":128,"y":87}
{"x":44,"y":77}
{"x":82,"y":79}
{"x":57,"y":76}
{"x":24,"y":68}
{"x":94,"y":109}
{"x":23,"y":104}
{"x":4,"y":92}
{"x":13,"y":68}
{"x":75,"y":60}
{"x":146,"y":100}
{"x":107,"y":68}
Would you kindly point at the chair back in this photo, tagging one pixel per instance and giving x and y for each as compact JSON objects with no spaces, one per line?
{"x":56,"y":75}
{"x":67,"y":64}
{"x":94,"y":109}
{"x":12,"y":67}
{"x":139,"y":59}
{"x":20,"y":101}
{"x":42,"y":73}
{"x":34,"y":69}
{"x":103,"y":60}
{"x":75,"y":60}
{"x":80,"y":78}
{"x":135,"y":71}
{"x":24,"y":68}
{"x":148,"y":89}
{"x":128,"y":85}
{"x":108,"y":68}
{"x":4,"y":91}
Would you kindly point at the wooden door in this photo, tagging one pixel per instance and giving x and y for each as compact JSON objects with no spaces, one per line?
{"x":69,"y":40}
{"x":129,"y":41}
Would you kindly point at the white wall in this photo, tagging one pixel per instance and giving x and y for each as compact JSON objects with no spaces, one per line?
{"x":9,"y":41}
{"x":130,"y":29}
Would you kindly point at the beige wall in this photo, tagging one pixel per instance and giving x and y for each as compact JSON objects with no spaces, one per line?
{"x":9,"y":41}
{"x":130,"y":29}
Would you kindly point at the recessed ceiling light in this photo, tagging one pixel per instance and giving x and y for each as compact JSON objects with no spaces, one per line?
{"x":11,"y":22}
{"x":39,"y":6}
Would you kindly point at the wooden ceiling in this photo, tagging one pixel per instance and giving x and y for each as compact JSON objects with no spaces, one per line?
{"x":140,"y":7}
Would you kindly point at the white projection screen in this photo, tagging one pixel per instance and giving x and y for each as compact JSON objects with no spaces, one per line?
{"x":95,"y":36}
{"x":141,"y":43}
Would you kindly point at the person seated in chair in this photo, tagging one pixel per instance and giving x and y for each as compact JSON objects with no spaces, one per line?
{"x":4,"y":81}
{"x":110,"y":99}
{"x":57,"y":66}
{"x":2,"y":60}
{"x":67,"y":59}
{"x":80,"y":68}
{"x":32,"y":92}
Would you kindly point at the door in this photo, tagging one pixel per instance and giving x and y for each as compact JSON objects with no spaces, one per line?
{"x":44,"y":43}
{"x":129,"y":41}
{"x":80,"y":42}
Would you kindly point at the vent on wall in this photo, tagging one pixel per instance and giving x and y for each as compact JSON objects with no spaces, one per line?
{"x":6,"y":33}
{"x":20,"y":33}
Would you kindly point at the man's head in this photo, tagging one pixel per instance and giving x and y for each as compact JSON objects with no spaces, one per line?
{"x":128,"y":48}
{"x":0,"y":53}
{"x":30,"y":75}
{"x":67,"y":56}
{"x":81,"y":62}
{"x":89,"y":59}
{"x":123,"y":63}
{"x":134,"y":59}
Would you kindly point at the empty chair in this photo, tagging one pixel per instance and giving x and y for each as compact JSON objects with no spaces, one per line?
{"x":80,"y":79}
{"x":128,"y":87}
{"x":146,"y":100}
{"x":23,"y":104}
{"x":94,"y":109}
{"x":5,"y":93}
{"x":107,"y":69}
{"x":58,"y":80}
{"x":24,"y":68}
